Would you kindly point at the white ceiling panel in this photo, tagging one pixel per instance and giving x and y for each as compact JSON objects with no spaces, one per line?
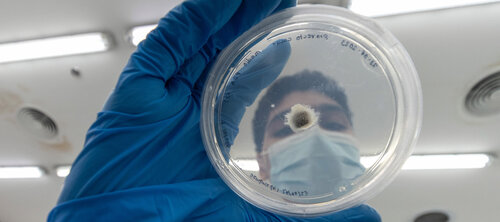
{"x":452,"y":49}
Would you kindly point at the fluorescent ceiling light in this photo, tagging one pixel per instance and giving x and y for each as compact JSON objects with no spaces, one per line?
{"x":53,"y":47}
{"x":253,"y":165}
{"x":447,"y":161}
{"x":139,"y":33}
{"x":416,"y":162}
{"x":390,"y":7}
{"x":368,"y":161}
{"x":63,"y":171}
{"x":21,"y":172}
{"x":248,"y":165}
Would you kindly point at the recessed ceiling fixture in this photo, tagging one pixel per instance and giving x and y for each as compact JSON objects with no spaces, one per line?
{"x":484,"y":98}
{"x":340,"y":3}
{"x":20,"y":172}
{"x":391,"y":7}
{"x":415,"y":162}
{"x":447,"y":161}
{"x":63,"y":171}
{"x":247,"y":164}
{"x":53,"y":47}
{"x":139,"y":33}
{"x":433,"y":217}
{"x":37,"y":122}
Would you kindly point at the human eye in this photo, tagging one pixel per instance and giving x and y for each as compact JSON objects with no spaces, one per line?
{"x":283,"y":132}
{"x":333,"y":126}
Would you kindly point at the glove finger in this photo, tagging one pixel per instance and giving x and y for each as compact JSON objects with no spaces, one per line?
{"x":285,"y":4}
{"x":183,"y":32}
{"x":167,"y":51}
{"x":247,"y":83}
{"x":180,"y":86}
{"x":248,"y":14}
{"x":178,"y":36}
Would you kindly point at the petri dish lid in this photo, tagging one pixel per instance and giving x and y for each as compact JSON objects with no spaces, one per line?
{"x":312,"y":111}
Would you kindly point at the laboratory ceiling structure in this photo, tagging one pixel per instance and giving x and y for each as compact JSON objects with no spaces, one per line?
{"x":453,"y":49}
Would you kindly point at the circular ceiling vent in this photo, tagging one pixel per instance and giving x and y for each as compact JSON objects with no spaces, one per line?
{"x":37,"y":122}
{"x":433,"y":217}
{"x":484,"y":98}
{"x":340,"y":3}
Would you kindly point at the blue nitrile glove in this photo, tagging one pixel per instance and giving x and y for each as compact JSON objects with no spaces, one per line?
{"x":247,"y":83}
{"x":143,"y":158}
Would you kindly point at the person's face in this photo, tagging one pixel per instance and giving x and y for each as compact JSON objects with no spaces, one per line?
{"x":332,"y":117}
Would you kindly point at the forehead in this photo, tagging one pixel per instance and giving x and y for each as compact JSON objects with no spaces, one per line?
{"x":310,"y":98}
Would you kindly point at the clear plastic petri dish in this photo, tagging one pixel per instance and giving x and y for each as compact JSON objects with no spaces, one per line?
{"x":313,"y":110}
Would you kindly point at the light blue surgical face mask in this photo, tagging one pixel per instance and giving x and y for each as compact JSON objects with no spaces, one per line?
{"x":319,"y":162}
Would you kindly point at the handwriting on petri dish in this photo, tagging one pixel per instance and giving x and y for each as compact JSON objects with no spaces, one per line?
{"x":311,"y":36}
{"x":363,"y":53}
{"x":278,"y":190}
{"x":303,"y":36}
{"x":250,"y":57}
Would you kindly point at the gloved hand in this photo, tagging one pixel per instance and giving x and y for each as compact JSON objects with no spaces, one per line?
{"x":246,"y":84}
{"x":144,"y":158}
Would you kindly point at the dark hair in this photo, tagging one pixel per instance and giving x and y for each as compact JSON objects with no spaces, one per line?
{"x":302,"y":81}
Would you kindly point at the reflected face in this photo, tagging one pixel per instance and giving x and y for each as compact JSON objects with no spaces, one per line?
{"x":332,"y":117}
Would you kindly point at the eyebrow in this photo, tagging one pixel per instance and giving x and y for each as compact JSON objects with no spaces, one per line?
{"x":321,"y":108}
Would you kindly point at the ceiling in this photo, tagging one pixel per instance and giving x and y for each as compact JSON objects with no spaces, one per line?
{"x":452,"y":50}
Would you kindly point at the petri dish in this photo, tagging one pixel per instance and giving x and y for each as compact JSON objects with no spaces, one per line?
{"x":312,"y":111}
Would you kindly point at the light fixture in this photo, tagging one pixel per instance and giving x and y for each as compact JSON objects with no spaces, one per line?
{"x":247,"y":164}
{"x":63,"y":171}
{"x":415,"y":162}
{"x":252,"y":165}
{"x":391,"y":7}
{"x":20,"y":172}
{"x":368,"y":161}
{"x":54,"y":47}
{"x":447,"y":161}
{"x":139,"y":33}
